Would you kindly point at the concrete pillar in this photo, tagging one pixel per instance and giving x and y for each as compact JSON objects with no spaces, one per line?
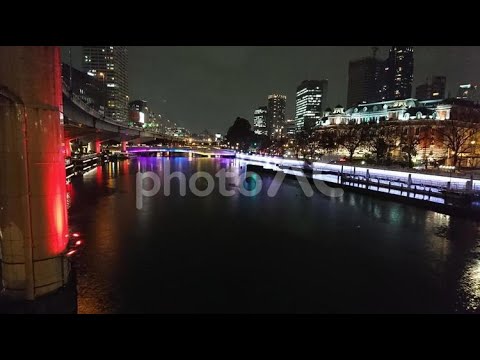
{"x":33,"y":212}
{"x":124,"y":146}
{"x":94,"y":146}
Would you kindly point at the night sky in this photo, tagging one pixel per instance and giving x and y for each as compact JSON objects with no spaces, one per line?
{"x":208,"y":87}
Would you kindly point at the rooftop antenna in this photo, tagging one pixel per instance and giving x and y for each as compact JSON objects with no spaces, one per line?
{"x":374,"y":51}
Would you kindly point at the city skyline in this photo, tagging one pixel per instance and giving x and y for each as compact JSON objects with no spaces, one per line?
{"x":224,"y":82}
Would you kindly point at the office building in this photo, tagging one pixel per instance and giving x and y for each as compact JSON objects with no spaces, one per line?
{"x":276,"y":115}
{"x":290,"y":128}
{"x":397,"y":77}
{"x":364,"y":77}
{"x":138,"y":113}
{"x":260,"y":121}
{"x":311,"y":94}
{"x":432,"y":89}
{"x":109,"y":65}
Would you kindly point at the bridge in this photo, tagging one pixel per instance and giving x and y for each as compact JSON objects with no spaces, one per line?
{"x":201,"y":151}
{"x":83,"y":122}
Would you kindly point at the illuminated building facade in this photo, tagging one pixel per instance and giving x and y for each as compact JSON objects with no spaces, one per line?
{"x":431,"y":90}
{"x":260,"y":120}
{"x":276,"y":115}
{"x":391,"y":110}
{"x":416,"y":118}
{"x":109,"y":65}
{"x":311,"y":95}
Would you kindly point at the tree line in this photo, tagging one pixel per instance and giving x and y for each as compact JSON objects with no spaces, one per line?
{"x":379,"y":139}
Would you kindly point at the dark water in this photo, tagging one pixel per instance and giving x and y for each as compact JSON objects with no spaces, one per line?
{"x":287,"y":254}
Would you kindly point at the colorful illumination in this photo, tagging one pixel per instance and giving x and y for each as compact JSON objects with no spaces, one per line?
{"x":76,"y":235}
{"x":181,"y":150}
{"x":98,"y":146}
{"x":68,"y":148}
{"x":78,"y":243}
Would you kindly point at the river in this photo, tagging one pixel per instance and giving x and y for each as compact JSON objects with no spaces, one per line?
{"x":284,"y":254}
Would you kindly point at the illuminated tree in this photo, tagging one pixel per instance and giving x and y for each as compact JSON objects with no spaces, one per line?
{"x":457,"y":137}
{"x":352,"y":137}
{"x":302,"y":140}
{"x":411,"y":138}
{"x":327,"y":140}
{"x":381,"y":139}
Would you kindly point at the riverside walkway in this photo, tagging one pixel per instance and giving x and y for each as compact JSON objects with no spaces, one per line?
{"x":443,"y":190}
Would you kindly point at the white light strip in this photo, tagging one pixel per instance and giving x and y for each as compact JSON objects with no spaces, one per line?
{"x":348,"y":169}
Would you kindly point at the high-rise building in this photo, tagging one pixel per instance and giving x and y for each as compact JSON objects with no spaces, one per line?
{"x":396,"y":80}
{"x":290,"y":128}
{"x":311,"y":94}
{"x":138,"y":113}
{"x":364,"y":77}
{"x":109,"y":65}
{"x":260,"y":120}
{"x":432,"y":89}
{"x":469,"y":92}
{"x":276,"y":115}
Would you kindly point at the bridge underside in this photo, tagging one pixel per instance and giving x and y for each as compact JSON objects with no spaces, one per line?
{"x":81,"y":124}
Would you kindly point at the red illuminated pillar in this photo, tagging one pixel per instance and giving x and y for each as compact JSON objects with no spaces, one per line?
{"x":124,"y":146}
{"x":68,"y":148}
{"x":33,"y":213}
{"x":95,"y":146}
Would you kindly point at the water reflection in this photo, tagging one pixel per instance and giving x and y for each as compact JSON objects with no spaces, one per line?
{"x":287,"y":254}
{"x":469,"y":292}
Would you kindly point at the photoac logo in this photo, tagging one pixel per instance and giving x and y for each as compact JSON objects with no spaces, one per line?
{"x":247,"y":184}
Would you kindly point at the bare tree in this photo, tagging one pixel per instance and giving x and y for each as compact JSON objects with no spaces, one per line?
{"x":381,"y":139}
{"x":351,"y":137}
{"x":457,"y":136}
{"x":410,"y":139}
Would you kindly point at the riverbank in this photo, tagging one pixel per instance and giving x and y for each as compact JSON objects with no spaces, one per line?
{"x":451,"y":196}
